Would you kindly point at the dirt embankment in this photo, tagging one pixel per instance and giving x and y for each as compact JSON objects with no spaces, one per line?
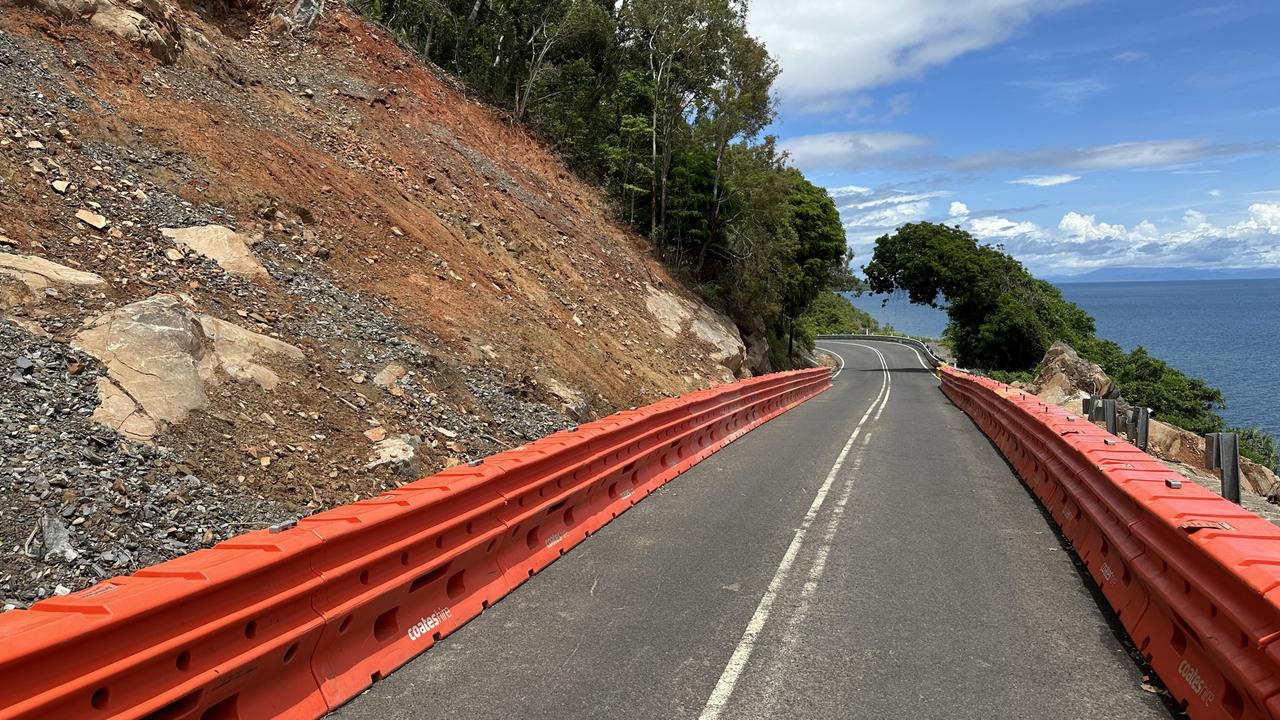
{"x":252,"y":266}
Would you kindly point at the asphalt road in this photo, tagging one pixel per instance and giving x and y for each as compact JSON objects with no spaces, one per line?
{"x":866,"y":555}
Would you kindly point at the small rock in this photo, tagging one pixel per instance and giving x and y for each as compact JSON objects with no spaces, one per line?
{"x":446,"y":432}
{"x":60,"y":186}
{"x":173,"y":254}
{"x":388,"y":376}
{"x":24,"y":364}
{"x":91,"y":219}
{"x":57,"y":541}
{"x":399,"y":453}
{"x":377,"y":434}
{"x":35,"y":145}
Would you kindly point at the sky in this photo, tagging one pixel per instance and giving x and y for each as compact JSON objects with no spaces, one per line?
{"x":1078,"y":134}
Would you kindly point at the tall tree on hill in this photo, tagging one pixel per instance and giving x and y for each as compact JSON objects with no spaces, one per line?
{"x":681,"y":42}
{"x":738,"y":106}
{"x":821,"y":256}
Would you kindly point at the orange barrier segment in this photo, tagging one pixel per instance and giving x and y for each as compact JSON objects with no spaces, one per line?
{"x":1194,"y":578}
{"x":294,"y":623}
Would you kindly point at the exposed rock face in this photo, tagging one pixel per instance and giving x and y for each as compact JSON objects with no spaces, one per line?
{"x":676,"y":315}
{"x":148,"y":24}
{"x":39,"y":274}
{"x":1065,"y":375}
{"x":160,"y":356}
{"x":221,"y":244}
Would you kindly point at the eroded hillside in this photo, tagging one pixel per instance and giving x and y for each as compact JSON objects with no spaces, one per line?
{"x":256,"y":262}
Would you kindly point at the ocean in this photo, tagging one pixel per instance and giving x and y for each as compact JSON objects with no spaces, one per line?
{"x":1224,"y":331}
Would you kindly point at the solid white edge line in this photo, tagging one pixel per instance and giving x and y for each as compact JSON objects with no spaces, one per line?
{"x":835,"y":355}
{"x":742,"y":653}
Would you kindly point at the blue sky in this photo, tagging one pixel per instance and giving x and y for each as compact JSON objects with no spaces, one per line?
{"x":1077,"y":134}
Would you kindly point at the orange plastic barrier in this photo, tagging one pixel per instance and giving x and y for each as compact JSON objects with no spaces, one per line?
{"x":296,"y":622}
{"x":1194,"y":578}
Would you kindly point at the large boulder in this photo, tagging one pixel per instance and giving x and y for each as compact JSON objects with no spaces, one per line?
{"x":676,"y":316}
{"x":1064,"y":375}
{"x":148,"y":23}
{"x":39,"y":274}
{"x":160,"y":356}
{"x":225,"y":246}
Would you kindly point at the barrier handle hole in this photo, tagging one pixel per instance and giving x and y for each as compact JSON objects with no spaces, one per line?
{"x":100,"y":698}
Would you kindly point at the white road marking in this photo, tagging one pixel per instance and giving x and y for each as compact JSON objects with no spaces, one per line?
{"x":919,"y":357}
{"x":742,"y":653}
{"x":835,"y":355}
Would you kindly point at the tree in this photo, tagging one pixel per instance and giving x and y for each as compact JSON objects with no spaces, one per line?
{"x":738,"y":106}
{"x":821,"y":253}
{"x":1000,"y":317}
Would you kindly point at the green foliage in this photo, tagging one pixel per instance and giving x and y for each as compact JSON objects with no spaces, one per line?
{"x":1147,"y":381}
{"x":663,"y":102}
{"x":833,"y":314}
{"x":1000,"y":316}
{"x":1258,"y":446}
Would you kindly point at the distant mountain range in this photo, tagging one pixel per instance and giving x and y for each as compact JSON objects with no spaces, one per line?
{"x":1165,"y":274}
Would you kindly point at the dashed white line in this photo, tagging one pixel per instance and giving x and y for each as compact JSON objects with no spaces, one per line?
{"x":742,"y":653}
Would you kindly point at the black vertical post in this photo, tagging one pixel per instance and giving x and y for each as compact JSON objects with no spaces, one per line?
{"x":1229,"y":454}
{"x":1091,"y":407}
{"x":1109,"y":414}
{"x":1140,"y":432}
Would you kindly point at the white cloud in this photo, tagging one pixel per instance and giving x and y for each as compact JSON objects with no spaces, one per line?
{"x":848,"y":150}
{"x":1147,"y":154}
{"x":958,"y":209}
{"x":1045,"y":180}
{"x":1215,"y":193}
{"x":1083,"y":242}
{"x":897,"y":199}
{"x":847,"y":190}
{"x":1262,"y":216}
{"x":1064,"y":92}
{"x":891,"y":216}
{"x":1130,"y":56}
{"x":834,"y":47}
{"x":994,"y":227}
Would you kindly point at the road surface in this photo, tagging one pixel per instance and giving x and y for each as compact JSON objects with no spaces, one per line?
{"x":866,"y":555}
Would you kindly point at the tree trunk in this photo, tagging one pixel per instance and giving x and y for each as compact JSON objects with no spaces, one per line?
{"x":714,"y":223}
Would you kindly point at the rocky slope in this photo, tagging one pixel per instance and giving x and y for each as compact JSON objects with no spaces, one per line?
{"x":256,"y":261}
{"x":1066,"y":379}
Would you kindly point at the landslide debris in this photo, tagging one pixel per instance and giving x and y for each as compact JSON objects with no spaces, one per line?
{"x":257,"y":260}
{"x":1066,"y":379}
